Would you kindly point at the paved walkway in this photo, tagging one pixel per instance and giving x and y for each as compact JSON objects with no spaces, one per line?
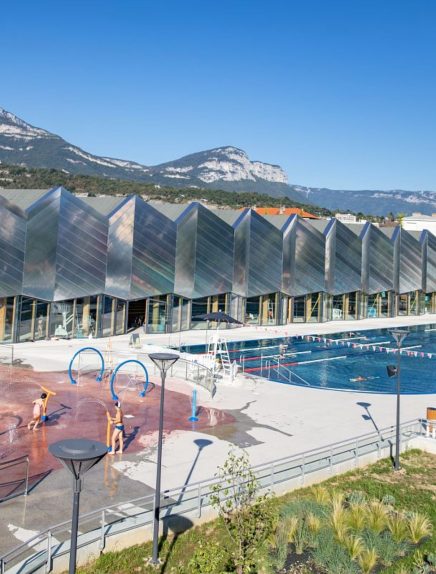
{"x":268,"y":419}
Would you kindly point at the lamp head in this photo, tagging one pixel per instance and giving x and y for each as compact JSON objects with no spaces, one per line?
{"x":164,"y":361}
{"x":78,"y":455}
{"x":399,"y":335}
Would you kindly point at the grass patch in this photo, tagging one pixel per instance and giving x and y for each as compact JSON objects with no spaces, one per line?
{"x":369,"y":520}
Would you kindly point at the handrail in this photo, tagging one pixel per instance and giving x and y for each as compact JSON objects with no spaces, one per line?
{"x":207,"y":380}
{"x":14,"y":462}
{"x":291,"y":374}
{"x":303,"y":461}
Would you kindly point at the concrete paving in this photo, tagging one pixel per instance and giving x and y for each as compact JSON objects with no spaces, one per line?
{"x":268,"y":419}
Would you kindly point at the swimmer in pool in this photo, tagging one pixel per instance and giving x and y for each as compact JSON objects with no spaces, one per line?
{"x":38,"y":408}
{"x":118,"y":432}
{"x":358,"y":379}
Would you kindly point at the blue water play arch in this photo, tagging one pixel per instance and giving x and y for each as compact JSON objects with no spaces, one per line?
{"x":114,"y":374}
{"x":70,"y":368}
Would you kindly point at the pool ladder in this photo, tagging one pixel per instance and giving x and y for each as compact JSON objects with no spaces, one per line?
{"x":283,"y":371}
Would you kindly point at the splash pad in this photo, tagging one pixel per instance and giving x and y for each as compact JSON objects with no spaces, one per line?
{"x":84,"y":409}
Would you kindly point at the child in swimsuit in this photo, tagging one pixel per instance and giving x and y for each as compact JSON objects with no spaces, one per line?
{"x":118,"y":432}
{"x":38,"y":408}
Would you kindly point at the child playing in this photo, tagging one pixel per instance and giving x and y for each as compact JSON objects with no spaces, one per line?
{"x":38,"y":407}
{"x":118,"y":432}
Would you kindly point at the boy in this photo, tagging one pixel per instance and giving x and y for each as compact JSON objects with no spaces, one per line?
{"x":118,"y":431}
{"x":38,"y":407}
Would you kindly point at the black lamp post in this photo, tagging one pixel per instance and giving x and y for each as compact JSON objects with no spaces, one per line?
{"x":399,"y":335}
{"x":78,"y":455}
{"x":163,"y":361}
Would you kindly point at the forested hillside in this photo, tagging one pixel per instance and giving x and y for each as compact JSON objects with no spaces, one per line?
{"x":15,"y":177}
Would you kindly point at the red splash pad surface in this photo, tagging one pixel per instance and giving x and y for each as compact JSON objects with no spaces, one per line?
{"x":80,"y":411}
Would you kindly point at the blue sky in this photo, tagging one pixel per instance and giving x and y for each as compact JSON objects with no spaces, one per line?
{"x":340,"y":93}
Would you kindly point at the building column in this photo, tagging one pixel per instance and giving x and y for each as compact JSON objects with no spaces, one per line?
{"x":3,"y":313}
{"x":113,"y":316}
{"x":86,"y":315}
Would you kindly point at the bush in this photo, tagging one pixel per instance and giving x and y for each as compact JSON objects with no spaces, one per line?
{"x":209,"y":559}
{"x":356,"y":517}
{"x":376,"y":516}
{"x":329,"y":554}
{"x":368,"y":560}
{"x":356,"y":497}
{"x":247,"y":516}
{"x":398,"y":527}
{"x":419,"y":527}
{"x":388,"y":500}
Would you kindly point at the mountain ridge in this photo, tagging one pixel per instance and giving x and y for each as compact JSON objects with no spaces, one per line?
{"x":227,"y":168}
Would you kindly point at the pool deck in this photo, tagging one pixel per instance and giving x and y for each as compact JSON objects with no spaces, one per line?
{"x":268,"y":419}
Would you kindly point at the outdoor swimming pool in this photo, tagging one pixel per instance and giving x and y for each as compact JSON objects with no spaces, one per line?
{"x":346,"y":361}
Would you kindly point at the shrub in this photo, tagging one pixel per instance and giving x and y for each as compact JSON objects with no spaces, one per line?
{"x":337,"y":498}
{"x":356,"y":517}
{"x":300,"y":535}
{"x":376,"y":516}
{"x":279,"y":547}
{"x":431,"y":558}
{"x":354,"y":546}
{"x":419,"y":527}
{"x":387,"y":548}
{"x":313,"y":523}
{"x":398,"y":527}
{"x":209,"y":559}
{"x":339,"y":521}
{"x":356,"y":497}
{"x":368,"y":560}
{"x":331,"y":556}
{"x":248,"y":517}
{"x":320,"y":494}
{"x":291,"y":526}
{"x":388,"y":500}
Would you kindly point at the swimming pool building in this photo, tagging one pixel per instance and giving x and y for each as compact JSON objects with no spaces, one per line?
{"x":71,"y":266}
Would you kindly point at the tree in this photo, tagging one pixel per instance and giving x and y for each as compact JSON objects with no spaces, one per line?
{"x":400,"y":218}
{"x":248,"y":517}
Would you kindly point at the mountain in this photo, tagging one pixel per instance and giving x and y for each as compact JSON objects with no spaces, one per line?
{"x":375,"y":202}
{"x":225,"y":168}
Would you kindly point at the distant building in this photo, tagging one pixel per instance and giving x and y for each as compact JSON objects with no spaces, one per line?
{"x":283,"y":211}
{"x":346,"y":217}
{"x":419,"y":222}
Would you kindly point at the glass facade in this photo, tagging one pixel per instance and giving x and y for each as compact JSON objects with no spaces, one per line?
{"x":428,"y":303}
{"x":409,"y":303}
{"x":157,"y":315}
{"x":7,"y":312}
{"x":378,"y":305}
{"x":71,"y":270}
{"x":344,"y":307}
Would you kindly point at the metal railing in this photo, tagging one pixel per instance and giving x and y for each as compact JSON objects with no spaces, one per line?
{"x":17,"y":486}
{"x":97,"y":526}
{"x":429,"y":428}
{"x":289,"y":376}
{"x":195,"y":373}
{"x":187,"y":370}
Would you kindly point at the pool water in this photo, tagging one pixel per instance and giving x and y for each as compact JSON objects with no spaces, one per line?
{"x":346,"y":361}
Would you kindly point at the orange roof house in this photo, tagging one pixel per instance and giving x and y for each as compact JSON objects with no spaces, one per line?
{"x":284,"y":211}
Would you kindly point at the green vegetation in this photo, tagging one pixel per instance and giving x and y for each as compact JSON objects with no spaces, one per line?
{"x":370,"y":521}
{"x":18,"y":177}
